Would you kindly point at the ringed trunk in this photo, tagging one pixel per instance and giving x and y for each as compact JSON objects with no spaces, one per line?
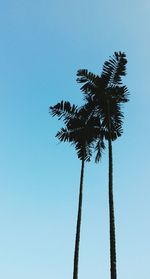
{"x":78,"y":226}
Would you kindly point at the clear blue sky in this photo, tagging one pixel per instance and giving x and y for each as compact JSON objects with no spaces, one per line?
{"x":42,"y":45}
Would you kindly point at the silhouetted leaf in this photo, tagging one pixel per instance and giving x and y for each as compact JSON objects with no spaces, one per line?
{"x":114,"y":69}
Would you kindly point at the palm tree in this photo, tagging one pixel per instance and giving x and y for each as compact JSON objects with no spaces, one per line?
{"x":83,"y":131}
{"x":104,"y":95}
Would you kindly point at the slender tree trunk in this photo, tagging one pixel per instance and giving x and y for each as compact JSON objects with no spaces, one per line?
{"x":78,"y":226}
{"x":113,"y":270}
{"x":112,"y":217}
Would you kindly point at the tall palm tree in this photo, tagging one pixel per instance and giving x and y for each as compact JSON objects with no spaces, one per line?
{"x":84,"y":132}
{"x":104,"y":95}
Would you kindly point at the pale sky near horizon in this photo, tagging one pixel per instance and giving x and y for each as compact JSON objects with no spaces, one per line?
{"x":42,"y":45}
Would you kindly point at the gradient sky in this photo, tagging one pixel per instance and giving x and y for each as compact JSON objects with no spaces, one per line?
{"x":42,"y":45}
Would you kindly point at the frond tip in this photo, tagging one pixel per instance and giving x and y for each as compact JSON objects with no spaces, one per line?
{"x":114,"y":68}
{"x":99,"y":147}
{"x":63,"y":110}
{"x":89,"y":79}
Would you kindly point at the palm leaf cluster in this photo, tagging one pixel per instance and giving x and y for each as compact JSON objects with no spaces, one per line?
{"x":101,"y":116}
{"x":81,"y":129}
{"x":104,"y":94}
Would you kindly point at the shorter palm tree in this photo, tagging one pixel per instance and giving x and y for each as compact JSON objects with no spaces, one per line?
{"x":84,"y":132}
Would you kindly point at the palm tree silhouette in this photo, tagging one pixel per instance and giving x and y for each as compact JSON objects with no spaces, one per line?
{"x":104,"y":96}
{"x":83,"y":130}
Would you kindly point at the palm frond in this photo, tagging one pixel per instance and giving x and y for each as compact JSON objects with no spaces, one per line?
{"x":89,"y":79}
{"x":119,"y":93}
{"x":83,"y":148}
{"x":114,"y":69}
{"x":65,"y":135}
{"x":83,"y":151}
{"x":64,"y":110}
{"x":99,"y":147}
{"x":116,"y":118}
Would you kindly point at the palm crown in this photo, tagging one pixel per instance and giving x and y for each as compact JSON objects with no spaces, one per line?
{"x":81,"y":129}
{"x":105,"y":94}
